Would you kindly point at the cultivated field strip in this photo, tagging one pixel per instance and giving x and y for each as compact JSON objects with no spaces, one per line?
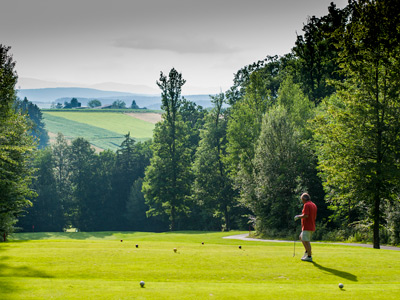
{"x":103,"y":130}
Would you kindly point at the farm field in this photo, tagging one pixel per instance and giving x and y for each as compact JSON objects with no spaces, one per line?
{"x":104,"y":130}
{"x":108,"y":265}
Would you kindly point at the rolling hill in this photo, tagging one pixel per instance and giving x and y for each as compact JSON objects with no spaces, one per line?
{"x":104,"y":130}
{"x":44,"y":97}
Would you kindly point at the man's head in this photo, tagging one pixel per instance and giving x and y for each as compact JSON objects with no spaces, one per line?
{"x":305,"y":197}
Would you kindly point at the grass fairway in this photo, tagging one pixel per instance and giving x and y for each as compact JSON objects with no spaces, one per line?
{"x":100,"y":266}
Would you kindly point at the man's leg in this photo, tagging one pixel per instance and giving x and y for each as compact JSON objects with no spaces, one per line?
{"x":307,"y":246}
{"x":303,"y":242}
{"x":305,"y":239}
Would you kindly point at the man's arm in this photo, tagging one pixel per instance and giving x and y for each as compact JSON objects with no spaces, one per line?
{"x":302,"y":216}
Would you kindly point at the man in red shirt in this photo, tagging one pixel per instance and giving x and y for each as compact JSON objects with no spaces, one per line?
{"x":308,"y":216}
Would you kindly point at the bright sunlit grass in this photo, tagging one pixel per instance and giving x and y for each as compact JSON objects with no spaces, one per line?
{"x":100,"y":266}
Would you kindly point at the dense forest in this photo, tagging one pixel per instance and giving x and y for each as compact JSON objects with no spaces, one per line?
{"x":322,"y":119}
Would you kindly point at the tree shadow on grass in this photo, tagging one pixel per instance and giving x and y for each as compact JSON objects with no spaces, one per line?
{"x":29,"y":236}
{"x":8,"y":273}
{"x":342,"y":274}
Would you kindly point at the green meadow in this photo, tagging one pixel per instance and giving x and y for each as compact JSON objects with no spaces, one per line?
{"x":108,"y":265}
{"x":104,"y":130}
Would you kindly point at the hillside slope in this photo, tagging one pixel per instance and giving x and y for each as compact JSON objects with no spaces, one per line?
{"x":104,"y":130}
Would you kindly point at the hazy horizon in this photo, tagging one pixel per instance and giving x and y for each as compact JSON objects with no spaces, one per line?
{"x":128,"y":42}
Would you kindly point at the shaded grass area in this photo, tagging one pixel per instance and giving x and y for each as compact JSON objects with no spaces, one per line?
{"x":101,"y":266}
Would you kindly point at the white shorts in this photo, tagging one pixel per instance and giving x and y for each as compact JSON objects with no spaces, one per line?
{"x":306,"y":235}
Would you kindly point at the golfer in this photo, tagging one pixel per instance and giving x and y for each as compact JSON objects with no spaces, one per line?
{"x":307,"y":217}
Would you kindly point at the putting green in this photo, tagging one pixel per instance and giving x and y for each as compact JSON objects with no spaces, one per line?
{"x":108,"y":265}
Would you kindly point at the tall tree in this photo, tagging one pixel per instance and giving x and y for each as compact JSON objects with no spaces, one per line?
{"x":136,"y":208}
{"x":62,"y":172}
{"x":269,"y":69}
{"x":284,"y":163}
{"x":244,"y":127}
{"x":193,"y":116}
{"x":317,"y":55}
{"x":15,"y":149}
{"x":83,"y":164}
{"x":213,"y":189}
{"x":277,"y":173}
{"x":358,"y":135}
{"x":300,"y":110}
{"x":168,"y":178}
{"x":131,"y":161}
{"x":104,"y":192}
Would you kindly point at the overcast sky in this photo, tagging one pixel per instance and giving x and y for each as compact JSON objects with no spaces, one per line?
{"x":131,"y":41}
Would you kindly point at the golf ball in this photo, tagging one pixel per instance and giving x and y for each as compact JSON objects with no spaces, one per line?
{"x":341,"y":285}
{"x":142,"y":283}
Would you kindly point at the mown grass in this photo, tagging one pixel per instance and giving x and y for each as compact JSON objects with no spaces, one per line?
{"x":100,"y":266}
{"x":103,"y":130}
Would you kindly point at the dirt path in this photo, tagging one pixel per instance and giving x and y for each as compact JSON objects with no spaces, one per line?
{"x":244,"y":237}
{"x":149,"y":117}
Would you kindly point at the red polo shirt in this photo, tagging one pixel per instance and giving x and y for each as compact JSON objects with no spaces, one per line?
{"x":309,"y":209}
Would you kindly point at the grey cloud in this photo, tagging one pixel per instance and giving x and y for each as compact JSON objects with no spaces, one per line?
{"x":183,"y":45}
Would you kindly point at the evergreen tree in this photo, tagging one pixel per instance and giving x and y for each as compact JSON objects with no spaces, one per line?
{"x":125,"y":173}
{"x":15,"y":149}
{"x":35,"y":117}
{"x":134,"y":105}
{"x":136,"y":208}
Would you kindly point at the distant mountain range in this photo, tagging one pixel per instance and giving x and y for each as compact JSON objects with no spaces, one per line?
{"x":44,"y":97}
{"x":32,"y":83}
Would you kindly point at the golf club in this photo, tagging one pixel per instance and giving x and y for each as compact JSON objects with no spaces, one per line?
{"x":294,"y":241}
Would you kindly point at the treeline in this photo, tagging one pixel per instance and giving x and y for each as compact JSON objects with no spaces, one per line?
{"x":321,"y":119}
{"x":94,"y":103}
{"x":79,"y":188}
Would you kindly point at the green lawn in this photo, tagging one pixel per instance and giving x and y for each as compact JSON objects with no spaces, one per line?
{"x":105,"y":130}
{"x":100,"y":266}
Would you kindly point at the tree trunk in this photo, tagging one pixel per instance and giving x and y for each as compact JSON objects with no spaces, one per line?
{"x":376,"y":221}
{"x":227,"y":218}
{"x":172,"y":226}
